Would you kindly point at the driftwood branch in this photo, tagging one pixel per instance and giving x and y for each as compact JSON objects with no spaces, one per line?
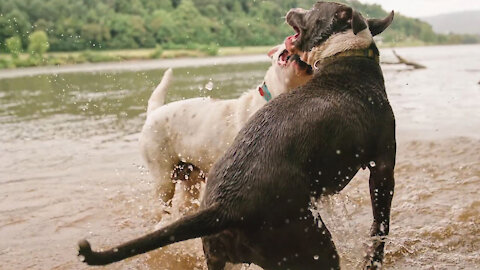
{"x":404,"y":61}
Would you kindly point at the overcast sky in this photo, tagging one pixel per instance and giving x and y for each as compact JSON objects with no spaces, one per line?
{"x":425,"y":8}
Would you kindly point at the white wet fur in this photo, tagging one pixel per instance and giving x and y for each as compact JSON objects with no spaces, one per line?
{"x":199,"y":130}
{"x":340,"y":42}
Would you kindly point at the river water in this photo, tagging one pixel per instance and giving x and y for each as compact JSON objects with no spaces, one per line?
{"x":70,"y":166}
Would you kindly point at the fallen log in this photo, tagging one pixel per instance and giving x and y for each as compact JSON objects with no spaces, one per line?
{"x":404,"y":61}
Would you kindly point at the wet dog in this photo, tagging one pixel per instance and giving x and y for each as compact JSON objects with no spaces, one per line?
{"x":306,"y":143}
{"x":188,"y":136}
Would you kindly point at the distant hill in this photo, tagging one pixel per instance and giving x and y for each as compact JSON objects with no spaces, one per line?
{"x":466,"y":22}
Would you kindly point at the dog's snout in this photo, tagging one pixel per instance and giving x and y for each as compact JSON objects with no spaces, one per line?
{"x":289,"y":15}
{"x":294,"y":12}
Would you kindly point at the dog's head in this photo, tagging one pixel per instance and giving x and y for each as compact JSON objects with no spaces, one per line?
{"x":287,"y":71}
{"x":326,"y":20}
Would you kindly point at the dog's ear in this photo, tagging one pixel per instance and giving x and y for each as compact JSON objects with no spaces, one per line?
{"x":358,"y":22}
{"x":352,"y":18}
{"x":377,"y":26}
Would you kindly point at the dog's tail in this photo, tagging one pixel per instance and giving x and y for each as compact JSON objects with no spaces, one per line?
{"x":157,"y":98}
{"x":205,"y":222}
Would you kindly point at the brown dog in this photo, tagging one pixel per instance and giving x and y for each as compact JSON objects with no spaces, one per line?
{"x":303,"y":144}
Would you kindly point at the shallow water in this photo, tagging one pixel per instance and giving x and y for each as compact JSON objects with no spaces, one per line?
{"x":71,"y":168}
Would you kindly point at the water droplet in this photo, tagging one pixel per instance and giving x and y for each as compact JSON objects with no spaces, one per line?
{"x":316,"y":257}
{"x":209,"y":86}
{"x":339,"y":152}
{"x":372,"y":164}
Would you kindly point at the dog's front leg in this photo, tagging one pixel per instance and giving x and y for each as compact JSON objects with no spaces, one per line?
{"x":382,"y":185}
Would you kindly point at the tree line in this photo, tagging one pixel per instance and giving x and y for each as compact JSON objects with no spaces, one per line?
{"x":72,"y":25}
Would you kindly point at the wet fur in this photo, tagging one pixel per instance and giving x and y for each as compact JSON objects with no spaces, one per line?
{"x":306,"y":143}
{"x":197,"y":131}
{"x":302,"y":144}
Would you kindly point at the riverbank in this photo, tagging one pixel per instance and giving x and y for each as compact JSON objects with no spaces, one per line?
{"x":74,"y":58}
{"x":56,"y":59}
{"x":231,"y":55}
{"x":134,"y":65}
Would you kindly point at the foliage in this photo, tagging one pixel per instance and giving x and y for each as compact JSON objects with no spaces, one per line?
{"x":38,"y":43}
{"x":95,"y":57}
{"x":14,"y":46}
{"x":73,"y":25}
{"x":157,"y":53}
{"x":211,"y":49}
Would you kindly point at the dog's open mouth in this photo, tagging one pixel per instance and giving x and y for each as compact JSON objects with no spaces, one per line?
{"x":286,"y":58}
{"x":295,"y":58}
{"x":297,"y":33}
{"x":291,"y":40}
{"x":283,"y":58}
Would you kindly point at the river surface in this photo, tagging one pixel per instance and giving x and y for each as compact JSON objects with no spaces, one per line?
{"x":70,"y":165}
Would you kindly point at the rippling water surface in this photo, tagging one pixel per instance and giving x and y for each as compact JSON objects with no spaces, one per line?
{"x":70,"y":166}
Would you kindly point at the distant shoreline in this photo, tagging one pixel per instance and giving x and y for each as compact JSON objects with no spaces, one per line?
{"x":133,"y":65}
{"x":56,"y":59}
{"x":150,"y":64}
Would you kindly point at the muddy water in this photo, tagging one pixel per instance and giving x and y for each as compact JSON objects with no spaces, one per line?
{"x":70,"y":167}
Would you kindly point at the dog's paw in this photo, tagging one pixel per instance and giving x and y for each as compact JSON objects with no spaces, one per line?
{"x":374,"y":256}
{"x":372,"y":266}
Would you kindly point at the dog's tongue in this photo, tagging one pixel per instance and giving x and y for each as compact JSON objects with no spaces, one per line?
{"x":289,"y":44}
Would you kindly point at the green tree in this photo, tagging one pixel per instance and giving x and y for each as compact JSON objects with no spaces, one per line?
{"x":129,"y":31}
{"x":95,"y":34}
{"x":78,"y":24}
{"x":14,"y":46}
{"x":191,"y":26}
{"x":162,"y":25}
{"x":15,"y":23}
{"x":38,"y":44}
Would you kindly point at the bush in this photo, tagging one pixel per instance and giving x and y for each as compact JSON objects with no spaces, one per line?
{"x":157,"y":53}
{"x":173,"y":46}
{"x":14,"y":46}
{"x":6,"y":63}
{"x":38,"y":44}
{"x":95,"y":57}
{"x":211,"y":49}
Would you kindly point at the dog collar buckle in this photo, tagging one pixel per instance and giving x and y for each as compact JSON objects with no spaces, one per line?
{"x":264,"y":92}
